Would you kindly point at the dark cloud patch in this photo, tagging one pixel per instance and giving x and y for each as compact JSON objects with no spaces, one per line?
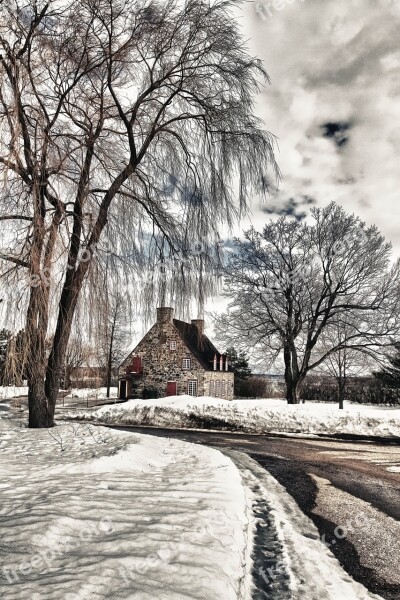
{"x":363,"y":203}
{"x":228,"y":244}
{"x":338,"y":131}
{"x":347,"y":180}
{"x":268,"y":184}
{"x":193,"y":196}
{"x":291,"y":208}
{"x":187,"y":193}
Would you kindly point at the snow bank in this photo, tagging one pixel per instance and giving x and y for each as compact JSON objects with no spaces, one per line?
{"x":87,"y":513}
{"x":253,"y":416}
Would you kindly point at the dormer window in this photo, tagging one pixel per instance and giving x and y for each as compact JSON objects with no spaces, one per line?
{"x":186,"y":363}
{"x":135,"y":366}
{"x":172,"y":345}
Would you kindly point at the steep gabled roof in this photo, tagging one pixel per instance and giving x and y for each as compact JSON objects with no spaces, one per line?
{"x":203,"y":349}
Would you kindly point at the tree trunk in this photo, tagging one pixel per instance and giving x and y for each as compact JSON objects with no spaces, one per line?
{"x":40,"y":412}
{"x":75,"y":274}
{"x":341,"y":392}
{"x":292,"y":392}
{"x":67,"y":378}
{"x":109,"y":371}
{"x":292,"y":388}
{"x":292,"y":382}
{"x":110,"y":355}
{"x":68,"y":302}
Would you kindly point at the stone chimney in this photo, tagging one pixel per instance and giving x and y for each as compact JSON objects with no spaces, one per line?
{"x":165,"y":314}
{"x":200,"y":325}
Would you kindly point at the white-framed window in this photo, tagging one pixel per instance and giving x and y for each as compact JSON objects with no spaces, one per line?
{"x":223,"y":390}
{"x":186,"y":363}
{"x":217,"y":389}
{"x":172,"y":345}
{"x":192,"y":387}
{"x":212,"y":389}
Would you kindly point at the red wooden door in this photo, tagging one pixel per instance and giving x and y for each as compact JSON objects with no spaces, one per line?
{"x":171,"y":388}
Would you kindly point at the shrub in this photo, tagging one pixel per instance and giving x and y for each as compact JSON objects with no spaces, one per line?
{"x":149,"y":393}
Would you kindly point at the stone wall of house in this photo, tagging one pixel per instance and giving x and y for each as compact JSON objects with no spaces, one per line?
{"x":162,"y":363}
{"x":218,"y":384}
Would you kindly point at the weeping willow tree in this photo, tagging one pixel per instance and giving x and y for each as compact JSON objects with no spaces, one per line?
{"x":127,"y":128}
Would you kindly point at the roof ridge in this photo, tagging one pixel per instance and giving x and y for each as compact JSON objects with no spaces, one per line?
{"x":205,"y":350}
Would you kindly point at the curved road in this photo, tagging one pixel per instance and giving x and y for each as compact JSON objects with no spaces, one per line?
{"x":351,"y":490}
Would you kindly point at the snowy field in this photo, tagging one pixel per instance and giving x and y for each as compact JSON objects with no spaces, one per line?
{"x":253,"y":416}
{"x":92,"y":514}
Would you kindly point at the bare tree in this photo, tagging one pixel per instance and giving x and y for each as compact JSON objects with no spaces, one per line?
{"x":77,"y":355}
{"x":288,"y":284}
{"x":347,"y":361}
{"x":124,"y":121}
{"x":5,"y":345}
{"x":14,"y":367}
{"x":115,"y":334}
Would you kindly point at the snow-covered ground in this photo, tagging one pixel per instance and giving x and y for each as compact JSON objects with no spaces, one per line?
{"x":12,"y":397}
{"x":10,"y":391}
{"x":86,"y":396}
{"x":253,"y":416}
{"x":100,"y":393}
{"x":87,"y":513}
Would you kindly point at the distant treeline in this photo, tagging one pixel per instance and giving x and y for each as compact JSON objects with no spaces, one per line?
{"x":363,"y":390}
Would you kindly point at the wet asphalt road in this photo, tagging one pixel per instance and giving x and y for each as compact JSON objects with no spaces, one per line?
{"x":353,"y":485}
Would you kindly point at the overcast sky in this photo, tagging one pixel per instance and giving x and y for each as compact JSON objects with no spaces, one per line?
{"x":333,"y":103}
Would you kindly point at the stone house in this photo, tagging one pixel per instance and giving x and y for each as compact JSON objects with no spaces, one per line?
{"x":175,"y":358}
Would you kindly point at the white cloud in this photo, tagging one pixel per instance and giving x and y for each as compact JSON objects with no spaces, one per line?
{"x":334,"y":61}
